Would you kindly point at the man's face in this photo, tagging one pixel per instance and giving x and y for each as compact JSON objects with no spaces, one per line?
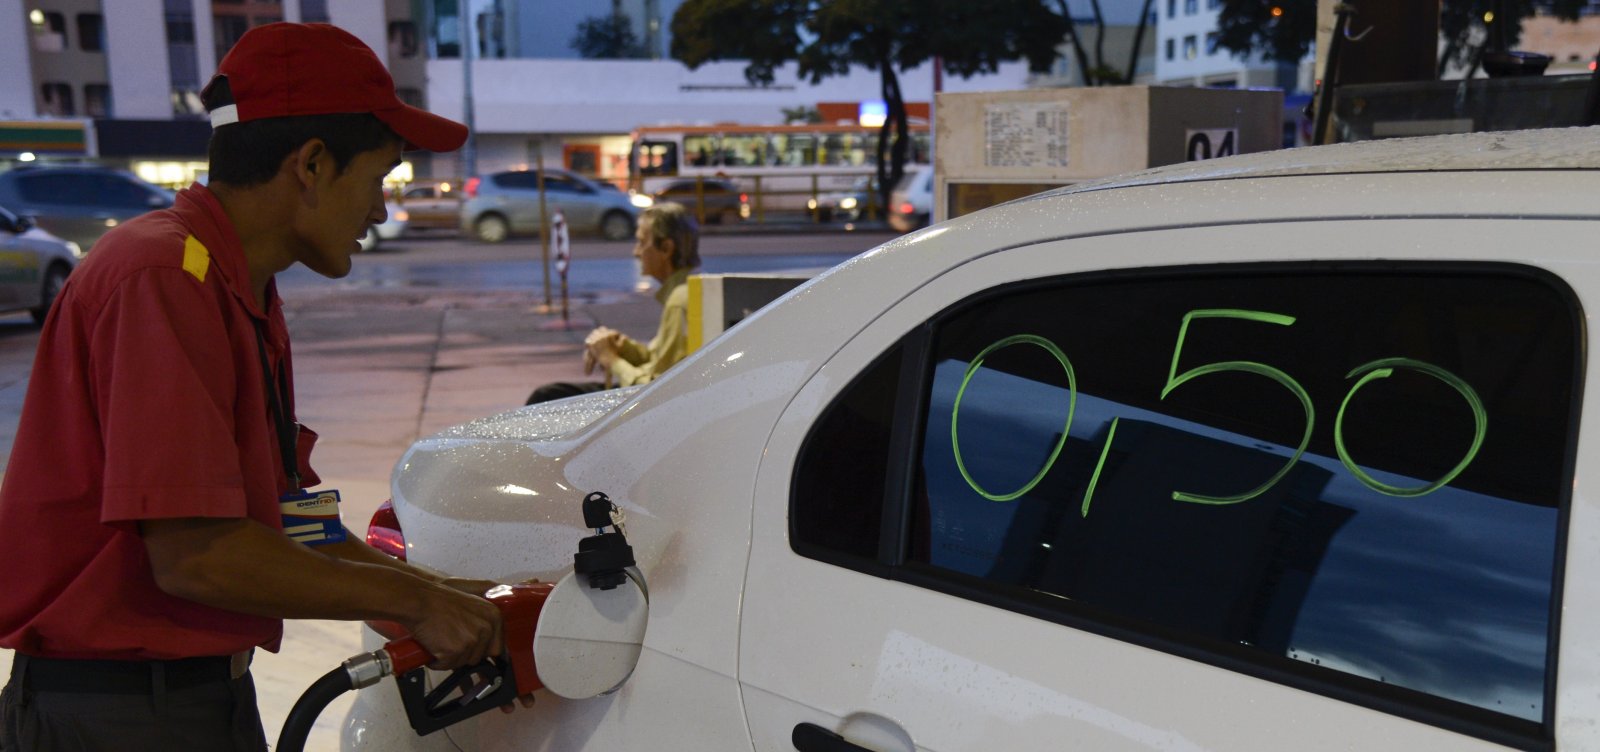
{"x":347,"y":204}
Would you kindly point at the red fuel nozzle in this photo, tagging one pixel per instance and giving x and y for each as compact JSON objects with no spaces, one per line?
{"x":468,"y":690}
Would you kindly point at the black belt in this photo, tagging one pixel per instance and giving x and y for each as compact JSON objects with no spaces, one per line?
{"x":122,"y":677}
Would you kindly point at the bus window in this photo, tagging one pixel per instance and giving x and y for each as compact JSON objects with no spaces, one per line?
{"x":744,"y":150}
{"x":701,"y":150}
{"x":795,"y":149}
{"x":656,"y":158}
{"x":847,"y":150}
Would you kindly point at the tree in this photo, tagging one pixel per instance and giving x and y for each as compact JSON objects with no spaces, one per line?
{"x":608,"y":36}
{"x":826,"y":37}
{"x":1102,"y":73}
{"x":1284,"y":30}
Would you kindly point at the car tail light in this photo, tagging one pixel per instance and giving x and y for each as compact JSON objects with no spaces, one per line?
{"x":384,"y":531}
{"x":471,"y":188}
{"x":907,"y":208}
{"x":744,"y":198}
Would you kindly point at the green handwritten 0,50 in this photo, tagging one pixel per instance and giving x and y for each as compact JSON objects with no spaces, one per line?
{"x":1368,"y":373}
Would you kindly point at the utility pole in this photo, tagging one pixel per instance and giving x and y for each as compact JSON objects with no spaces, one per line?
{"x":469,"y":150}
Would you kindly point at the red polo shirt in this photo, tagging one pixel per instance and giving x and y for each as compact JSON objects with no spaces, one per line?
{"x":147,"y":401}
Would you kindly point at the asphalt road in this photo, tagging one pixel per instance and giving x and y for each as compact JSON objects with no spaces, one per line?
{"x":432,"y":262}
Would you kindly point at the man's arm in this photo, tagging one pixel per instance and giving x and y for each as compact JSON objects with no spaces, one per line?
{"x":353,"y":549}
{"x":242,"y":565}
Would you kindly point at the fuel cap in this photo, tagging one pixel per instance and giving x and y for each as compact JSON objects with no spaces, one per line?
{"x":588,"y":640}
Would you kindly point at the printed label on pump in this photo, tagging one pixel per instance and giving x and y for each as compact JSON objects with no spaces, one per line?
{"x":312,"y":518}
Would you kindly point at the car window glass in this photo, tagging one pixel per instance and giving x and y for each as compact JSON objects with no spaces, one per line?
{"x":840,"y":480}
{"x":121,"y":193}
{"x":560,"y":184}
{"x":8,"y":221}
{"x":515,"y":180}
{"x":1257,"y":460}
{"x":1348,"y":474}
{"x":57,"y":188}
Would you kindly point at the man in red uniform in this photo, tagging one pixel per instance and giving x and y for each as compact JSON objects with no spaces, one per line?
{"x":141,"y":541}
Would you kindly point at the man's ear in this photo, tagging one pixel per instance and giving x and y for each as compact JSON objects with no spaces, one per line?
{"x":308,"y":161}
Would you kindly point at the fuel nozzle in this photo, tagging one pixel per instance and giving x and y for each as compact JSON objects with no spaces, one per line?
{"x":603,"y":557}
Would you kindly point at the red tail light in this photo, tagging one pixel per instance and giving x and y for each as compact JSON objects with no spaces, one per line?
{"x":744,"y":198}
{"x":907,"y":208}
{"x":471,"y":187}
{"x":384,"y":531}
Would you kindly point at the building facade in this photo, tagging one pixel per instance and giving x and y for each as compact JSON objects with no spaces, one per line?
{"x":127,"y":74}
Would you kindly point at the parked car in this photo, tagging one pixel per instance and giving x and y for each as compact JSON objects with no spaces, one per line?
{"x":33,"y":265}
{"x":911,"y":201}
{"x":432,"y":205}
{"x":1280,"y":451}
{"x":391,"y":228}
{"x":79,"y":202}
{"x":718,"y":201}
{"x":504,"y":204}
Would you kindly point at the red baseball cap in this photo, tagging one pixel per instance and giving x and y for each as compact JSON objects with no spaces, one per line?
{"x":291,"y":69}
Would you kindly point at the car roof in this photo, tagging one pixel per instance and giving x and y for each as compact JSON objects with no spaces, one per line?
{"x":1543,"y":149}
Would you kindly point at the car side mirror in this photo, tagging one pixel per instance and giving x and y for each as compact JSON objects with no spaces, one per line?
{"x":22,"y":225}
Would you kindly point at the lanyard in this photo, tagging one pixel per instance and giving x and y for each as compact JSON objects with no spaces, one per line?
{"x":278,"y":395}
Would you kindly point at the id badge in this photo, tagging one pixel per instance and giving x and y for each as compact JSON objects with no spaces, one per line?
{"x":312,"y":518}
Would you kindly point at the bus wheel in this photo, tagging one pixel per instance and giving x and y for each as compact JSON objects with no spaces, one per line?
{"x":616,"y":226}
{"x":492,"y":228}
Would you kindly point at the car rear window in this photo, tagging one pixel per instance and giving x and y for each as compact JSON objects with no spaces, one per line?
{"x":1350,"y":476}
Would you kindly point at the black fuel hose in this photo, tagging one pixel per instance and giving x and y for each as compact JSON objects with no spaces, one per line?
{"x":306,"y":709}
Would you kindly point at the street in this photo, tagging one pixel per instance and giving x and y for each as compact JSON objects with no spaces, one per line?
{"x":425,"y":334}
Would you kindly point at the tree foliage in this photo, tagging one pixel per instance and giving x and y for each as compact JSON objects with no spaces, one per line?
{"x":1100,"y":72}
{"x":826,"y":37}
{"x":608,"y":36}
{"x":1284,"y":30}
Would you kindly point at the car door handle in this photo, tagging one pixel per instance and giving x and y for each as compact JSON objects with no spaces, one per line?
{"x":809,"y":737}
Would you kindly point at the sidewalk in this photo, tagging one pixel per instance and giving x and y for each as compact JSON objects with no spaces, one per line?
{"x":374,"y":371}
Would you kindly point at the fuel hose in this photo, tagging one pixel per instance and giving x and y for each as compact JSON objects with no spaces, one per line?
{"x":306,"y":709}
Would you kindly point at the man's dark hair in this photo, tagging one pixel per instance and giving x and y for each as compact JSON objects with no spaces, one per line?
{"x":250,"y":153}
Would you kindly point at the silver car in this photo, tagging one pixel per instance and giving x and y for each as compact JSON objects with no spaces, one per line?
{"x":33,"y":265}
{"x":504,"y":204}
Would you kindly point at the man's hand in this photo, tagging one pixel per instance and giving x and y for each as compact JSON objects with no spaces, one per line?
{"x":457,"y":629}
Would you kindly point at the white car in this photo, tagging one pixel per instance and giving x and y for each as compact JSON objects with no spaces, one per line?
{"x":1283,"y":451}
{"x":911,"y":201}
{"x":390,"y":229}
{"x":33,"y":265}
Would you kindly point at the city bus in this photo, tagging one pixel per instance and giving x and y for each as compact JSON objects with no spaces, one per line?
{"x":780,"y":167}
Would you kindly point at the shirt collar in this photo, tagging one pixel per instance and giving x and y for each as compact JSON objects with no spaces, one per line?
{"x":204,"y":215}
{"x":671,"y":283}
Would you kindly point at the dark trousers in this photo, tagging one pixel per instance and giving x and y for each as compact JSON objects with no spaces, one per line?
{"x":87,"y":706}
{"x":563,"y":390}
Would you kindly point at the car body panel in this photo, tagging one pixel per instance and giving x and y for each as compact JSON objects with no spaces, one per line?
{"x":908,"y":653}
{"x":514,"y":196}
{"x":79,"y":202}
{"x":431,"y":207}
{"x":716,"y":201}
{"x":703,"y":461}
{"x":27,"y":254}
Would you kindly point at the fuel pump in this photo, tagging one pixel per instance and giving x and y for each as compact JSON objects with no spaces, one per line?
{"x":578,"y":638}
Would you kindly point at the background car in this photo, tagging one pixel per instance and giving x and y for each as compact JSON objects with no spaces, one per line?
{"x":861,"y":200}
{"x":390,"y":229}
{"x":911,"y":201}
{"x":1279,"y":451}
{"x":79,"y":202}
{"x":505,"y":204}
{"x":33,"y":265}
{"x":432,"y":205}
{"x":717,"y":201}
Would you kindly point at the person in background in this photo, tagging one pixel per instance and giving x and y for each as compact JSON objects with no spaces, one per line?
{"x":143,"y":529}
{"x":668,"y":249}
